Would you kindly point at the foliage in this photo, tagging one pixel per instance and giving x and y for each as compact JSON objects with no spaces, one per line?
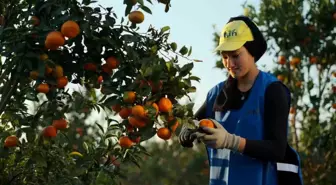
{"x":301,"y":34}
{"x":44,"y":57}
{"x":171,"y":164}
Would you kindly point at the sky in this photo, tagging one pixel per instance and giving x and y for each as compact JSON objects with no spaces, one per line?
{"x":191,"y":24}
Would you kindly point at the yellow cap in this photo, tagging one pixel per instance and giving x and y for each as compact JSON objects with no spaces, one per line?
{"x":234,"y":35}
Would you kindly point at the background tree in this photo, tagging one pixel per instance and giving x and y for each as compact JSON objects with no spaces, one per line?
{"x":73,"y":59}
{"x":301,"y":36}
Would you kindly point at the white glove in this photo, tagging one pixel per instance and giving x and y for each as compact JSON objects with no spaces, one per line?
{"x":218,"y":137}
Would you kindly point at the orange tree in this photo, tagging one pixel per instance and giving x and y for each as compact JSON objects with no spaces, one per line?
{"x":301,"y":37}
{"x":50,"y":47}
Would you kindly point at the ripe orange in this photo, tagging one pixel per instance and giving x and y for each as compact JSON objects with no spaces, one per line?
{"x":33,"y":75}
{"x":206,"y":123}
{"x":175,"y":125}
{"x":129,"y":97}
{"x":116,"y":108}
{"x":11,"y":141}
{"x":165,"y":105}
{"x":125,"y":112}
{"x":281,"y":78}
{"x":313,"y":60}
{"x":49,"y":131}
{"x":164,"y":133}
{"x":139,"y":111}
{"x":298,"y":84}
{"x":58,"y":71}
{"x":125,"y":142}
{"x":54,"y":40}
{"x":282,"y":60}
{"x":43,"y":88}
{"x":60,"y":124}
{"x":156,"y":86}
{"x":62,"y":82}
{"x":334,"y":105}
{"x":134,"y":2}
{"x":48,"y":70}
{"x":112,"y":62}
{"x":44,"y":57}
{"x":35,"y":20}
{"x":136,"y":122}
{"x":292,"y":110}
{"x":136,"y":17}
{"x":295,"y":60}
{"x":100,"y":79}
{"x":70,"y":29}
{"x":156,"y":108}
{"x":334,"y":74}
{"x":90,"y":67}
{"x":107,"y":69}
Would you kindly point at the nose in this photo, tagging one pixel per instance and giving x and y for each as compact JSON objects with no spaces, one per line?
{"x":230,"y":63}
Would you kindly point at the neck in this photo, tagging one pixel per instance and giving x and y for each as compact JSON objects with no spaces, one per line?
{"x":246,"y":82}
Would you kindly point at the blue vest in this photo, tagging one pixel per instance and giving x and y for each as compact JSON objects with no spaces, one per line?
{"x":233,"y":168}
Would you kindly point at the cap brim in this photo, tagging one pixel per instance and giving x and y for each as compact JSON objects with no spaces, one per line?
{"x":229,"y":46}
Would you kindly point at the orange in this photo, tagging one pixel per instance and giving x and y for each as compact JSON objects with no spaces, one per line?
{"x":33,"y":75}
{"x":44,"y":57}
{"x":292,"y":110}
{"x":164,"y":133}
{"x":35,"y":20}
{"x":156,"y":108}
{"x":58,"y":71}
{"x":43,"y":88}
{"x":11,"y":141}
{"x":125,"y":112}
{"x":60,"y":124}
{"x":100,"y":79}
{"x":54,"y":40}
{"x":298,"y":84}
{"x":49,"y":131}
{"x":70,"y":29}
{"x":136,"y":122}
{"x":125,"y":142}
{"x":295,"y":60}
{"x":90,"y":67}
{"x":206,"y":123}
{"x":134,"y":2}
{"x":138,"y":110}
{"x":282,"y":60}
{"x":116,"y":108}
{"x":48,"y":70}
{"x":175,"y":125}
{"x":129,"y":97}
{"x":313,"y":60}
{"x":165,"y":105}
{"x":62,"y":82}
{"x":281,"y":78}
{"x":334,"y":105}
{"x":112,"y":62}
{"x":105,"y":68}
{"x":136,"y":17}
{"x":155,"y":86}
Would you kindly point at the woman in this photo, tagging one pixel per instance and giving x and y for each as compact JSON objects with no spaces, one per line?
{"x":250,"y":111}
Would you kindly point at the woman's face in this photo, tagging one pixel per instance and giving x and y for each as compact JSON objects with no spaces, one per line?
{"x":238,"y":62}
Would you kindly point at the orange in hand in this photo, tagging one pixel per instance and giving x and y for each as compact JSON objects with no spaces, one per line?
{"x":206,"y":123}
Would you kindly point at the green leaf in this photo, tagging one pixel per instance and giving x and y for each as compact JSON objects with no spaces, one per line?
{"x":173,"y":45}
{"x":191,"y":89}
{"x":128,"y":9}
{"x":164,"y":29}
{"x":195,"y":78}
{"x":146,"y":9}
{"x":196,"y":60}
{"x":190,"y":50}
{"x":100,"y":127}
{"x":183,"y":50}
{"x":186,"y":69}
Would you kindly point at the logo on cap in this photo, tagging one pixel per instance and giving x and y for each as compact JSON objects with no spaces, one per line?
{"x":230,"y":33}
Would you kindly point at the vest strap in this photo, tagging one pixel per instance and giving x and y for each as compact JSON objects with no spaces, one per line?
{"x":287,"y":167}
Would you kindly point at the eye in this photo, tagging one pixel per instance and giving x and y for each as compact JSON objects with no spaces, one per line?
{"x":235,"y":55}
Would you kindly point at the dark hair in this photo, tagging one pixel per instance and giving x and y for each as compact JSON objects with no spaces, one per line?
{"x":258,"y":46}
